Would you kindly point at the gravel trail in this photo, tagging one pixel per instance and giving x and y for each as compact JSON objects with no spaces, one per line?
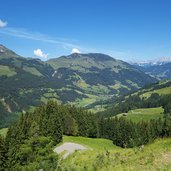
{"x":69,"y":148}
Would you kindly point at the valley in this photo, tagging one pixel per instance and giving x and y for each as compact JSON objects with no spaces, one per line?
{"x":82,"y":112}
{"x":85,"y":85}
{"x":84,"y":80}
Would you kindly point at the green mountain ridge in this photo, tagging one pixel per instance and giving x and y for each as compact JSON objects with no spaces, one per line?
{"x":99,"y":75}
{"x":84,"y":80}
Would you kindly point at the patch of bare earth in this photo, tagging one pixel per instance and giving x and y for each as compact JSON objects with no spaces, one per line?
{"x":68,"y":148}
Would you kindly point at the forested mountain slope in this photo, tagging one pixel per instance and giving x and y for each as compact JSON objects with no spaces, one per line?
{"x":79,"y":79}
{"x":155,"y":95}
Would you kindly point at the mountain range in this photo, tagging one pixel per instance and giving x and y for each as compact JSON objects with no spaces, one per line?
{"x":159,"y":69}
{"x":160,"y":61}
{"x":85,"y":80}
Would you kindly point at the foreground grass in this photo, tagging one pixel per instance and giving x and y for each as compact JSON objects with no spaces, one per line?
{"x":144,"y":114}
{"x":103,"y":155}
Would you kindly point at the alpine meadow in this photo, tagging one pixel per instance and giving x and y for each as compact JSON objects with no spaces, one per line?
{"x":85,"y":85}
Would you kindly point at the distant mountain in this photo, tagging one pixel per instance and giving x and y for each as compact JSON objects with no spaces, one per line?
{"x":160,"y":71}
{"x":80,"y":79}
{"x":148,"y":63}
{"x":22,"y":83}
{"x":97,"y":76}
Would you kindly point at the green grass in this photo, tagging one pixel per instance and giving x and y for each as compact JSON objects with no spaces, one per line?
{"x":93,"y":143}
{"x":3,"y":131}
{"x":102,"y":155}
{"x":144,"y":114}
{"x":162,"y":91}
{"x":5,"y":70}
{"x":32,"y":70}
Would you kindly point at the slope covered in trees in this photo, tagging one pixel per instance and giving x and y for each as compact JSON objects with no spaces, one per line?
{"x":155,"y":95}
{"x":79,"y":79}
{"x":29,"y":142}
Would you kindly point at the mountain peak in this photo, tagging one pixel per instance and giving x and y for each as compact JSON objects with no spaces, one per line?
{"x":155,"y":62}
{"x":93,"y":56}
{"x":3,"y":49}
{"x":5,"y":52}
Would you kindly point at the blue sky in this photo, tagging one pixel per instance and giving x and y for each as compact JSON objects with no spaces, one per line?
{"x":125,"y":29}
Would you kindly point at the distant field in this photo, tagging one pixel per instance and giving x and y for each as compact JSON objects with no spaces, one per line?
{"x":105,"y":156}
{"x":144,"y":114}
{"x":162,"y":91}
{"x":3,"y":131}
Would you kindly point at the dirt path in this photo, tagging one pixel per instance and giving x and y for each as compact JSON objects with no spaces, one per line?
{"x":68,"y":148}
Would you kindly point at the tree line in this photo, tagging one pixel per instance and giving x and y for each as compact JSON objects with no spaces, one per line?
{"x":34,"y":135}
{"x":125,"y":133}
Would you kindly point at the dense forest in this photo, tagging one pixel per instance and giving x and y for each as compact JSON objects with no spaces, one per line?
{"x":29,"y":142}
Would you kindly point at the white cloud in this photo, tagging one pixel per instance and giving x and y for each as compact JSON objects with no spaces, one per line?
{"x":39,"y":53}
{"x":74,"y":50}
{"x":3,"y":23}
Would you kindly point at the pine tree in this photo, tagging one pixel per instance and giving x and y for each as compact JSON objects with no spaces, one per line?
{"x":3,"y":155}
{"x":70,"y":126}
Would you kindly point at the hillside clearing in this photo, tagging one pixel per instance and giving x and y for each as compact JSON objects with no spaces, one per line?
{"x":161,"y":91}
{"x":144,"y":114}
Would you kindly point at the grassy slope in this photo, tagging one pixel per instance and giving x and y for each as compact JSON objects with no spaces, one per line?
{"x":162,"y":91}
{"x":103,"y":155}
{"x":165,"y":90}
{"x":5,"y":70}
{"x":144,"y":114}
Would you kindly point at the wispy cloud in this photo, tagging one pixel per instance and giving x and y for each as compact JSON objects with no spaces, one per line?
{"x":22,"y":33}
{"x":62,"y":42}
{"x":3,"y":23}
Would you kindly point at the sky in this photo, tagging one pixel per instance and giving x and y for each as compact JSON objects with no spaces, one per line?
{"x":125,"y":29}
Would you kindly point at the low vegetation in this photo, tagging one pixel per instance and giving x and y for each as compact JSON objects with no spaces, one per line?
{"x":104,"y":156}
{"x":3,"y":132}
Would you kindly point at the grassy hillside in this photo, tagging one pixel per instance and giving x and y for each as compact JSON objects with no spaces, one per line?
{"x":103,"y":155}
{"x":143,"y":114}
{"x":161,"y":91}
{"x":161,"y":88}
{"x":98,"y":76}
